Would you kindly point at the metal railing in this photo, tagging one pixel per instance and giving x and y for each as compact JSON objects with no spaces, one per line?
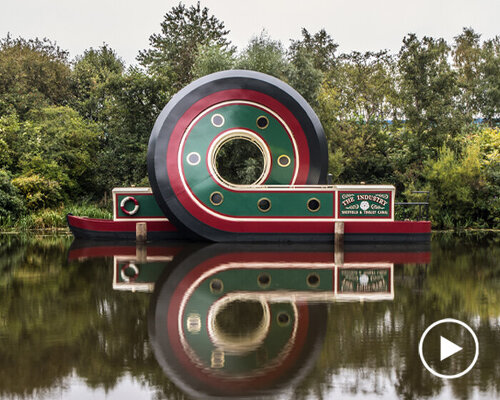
{"x":423,"y":206}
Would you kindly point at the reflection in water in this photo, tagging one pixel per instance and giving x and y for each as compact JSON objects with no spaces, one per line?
{"x":240,"y":321}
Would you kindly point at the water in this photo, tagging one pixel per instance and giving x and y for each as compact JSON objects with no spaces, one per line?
{"x":89,"y":320}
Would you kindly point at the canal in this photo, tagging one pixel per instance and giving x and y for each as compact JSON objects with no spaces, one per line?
{"x":175,"y":320}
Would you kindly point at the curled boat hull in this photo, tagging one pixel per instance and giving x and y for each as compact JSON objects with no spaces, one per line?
{"x":104,"y":229}
{"x":354,"y":232}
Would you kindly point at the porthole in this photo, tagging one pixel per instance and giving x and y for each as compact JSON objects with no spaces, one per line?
{"x":264,"y":280}
{"x":313,"y":204}
{"x":217,"y":120}
{"x":283,"y":160}
{"x":262,"y":122}
{"x":216,"y":286}
{"x":216,"y":198}
{"x":264,"y":204}
{"x":283,"y":319}
{"x":193,"y":158}
{"x":313,"y":280}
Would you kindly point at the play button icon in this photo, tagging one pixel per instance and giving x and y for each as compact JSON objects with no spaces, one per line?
{"x":448,"y":348}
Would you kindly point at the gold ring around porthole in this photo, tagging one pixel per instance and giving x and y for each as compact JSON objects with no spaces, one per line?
{"x":264,"y":280}
{"x":284,"y":160}
{"x":216,"y":198}
{"x":239,"y":134}
{"x":313,"y":204}
{"x":216,"y":286}
{"x":313,"y":280}
{"x":264,"y":204}
{"x":262,"y":122}
{"x":283,"y":319}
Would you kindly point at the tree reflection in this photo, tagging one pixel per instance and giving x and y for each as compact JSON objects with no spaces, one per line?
{"x":62,"y":319}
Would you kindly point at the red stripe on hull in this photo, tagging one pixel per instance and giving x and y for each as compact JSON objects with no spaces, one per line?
{"x":107,"y":225}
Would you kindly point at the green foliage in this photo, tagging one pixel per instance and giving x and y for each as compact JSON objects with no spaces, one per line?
{"x":60,"y":144}
{"x":11,"y":203}
{"x":336,"y":164}
{"x":91,"y":72}
{"x":39,"y":192}
{"x":82,"y":128}
{"x":365,"y":86}
{"x":56,"y":217}
{"x":134,"y":103}
{"x":428,"y":87}
{"x":467,"y":59}
{"x":33,"y":73}
{"x":239,"y":161}
{"x":489,"y":82}
{"x":212,"y":58}
{"x":311,"y":58}
{"x":304,"y":77}
{"x":10,"y":141}
{"x":319,"y":47}
{"x":173,"y":51}
{"x":264,"y":55}
{"x":465,"y":188}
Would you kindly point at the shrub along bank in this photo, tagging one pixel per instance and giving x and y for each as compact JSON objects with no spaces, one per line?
{"x":425,"y":118}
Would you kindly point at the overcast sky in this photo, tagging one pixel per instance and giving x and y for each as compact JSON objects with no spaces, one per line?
{"x":360,"y":25}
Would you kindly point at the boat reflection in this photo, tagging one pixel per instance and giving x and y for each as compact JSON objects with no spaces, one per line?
{"x":246,"y":320}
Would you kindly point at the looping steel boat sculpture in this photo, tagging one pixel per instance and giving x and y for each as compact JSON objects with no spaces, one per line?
{"x":288,"y":201}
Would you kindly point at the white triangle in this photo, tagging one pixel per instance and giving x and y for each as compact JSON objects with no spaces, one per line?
{"x":448,"y":348}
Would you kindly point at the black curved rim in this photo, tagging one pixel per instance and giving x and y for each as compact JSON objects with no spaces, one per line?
{"x":183,"y":100}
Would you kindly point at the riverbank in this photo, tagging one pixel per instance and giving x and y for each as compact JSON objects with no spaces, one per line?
{"x":53,"y":219}
{"x":49,"y":221}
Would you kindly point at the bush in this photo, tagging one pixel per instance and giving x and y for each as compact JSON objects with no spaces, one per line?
{"x":39,"y":192}
{"x":465,"y":187}
{"x":11,"y":203}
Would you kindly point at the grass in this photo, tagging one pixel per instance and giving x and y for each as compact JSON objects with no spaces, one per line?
{"x":53,"y":219}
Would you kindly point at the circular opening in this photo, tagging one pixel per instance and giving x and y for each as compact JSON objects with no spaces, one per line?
{"x":193,"y":158}
{"x":264,"y":280}
{"x":216,"y":198}
{"x":262,"y":122}
{"x":129,"y":272}
{"x":313,"y":204}
{"x":283,"y":319}
{"x":217,"y":120}
{"x":240,"y":318}
{"x":313,"y":280}
{"x":216,"y":286}
{"x":283,"y":161}
{"x":240,"y":161}
{"x":264,"y":204}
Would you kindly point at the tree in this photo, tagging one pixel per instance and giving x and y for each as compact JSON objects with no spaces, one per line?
{"x":33,"y":73}
{"x":489,"y":84}
{"x":11,"y":203}
{"x":91,"y":72}
{"x":135,"y":101}
{"x":212,"y":58}
{"x":264,"y":55}
{"x":365,"y":84}
{"x":174,"y":50}
{"x":320,"y":47}
{"x":467,"y":58}
{"x":304,"y":77}
{"x":57,"y":145}
{"x":354,"y":104}
{"x":428,"y":89}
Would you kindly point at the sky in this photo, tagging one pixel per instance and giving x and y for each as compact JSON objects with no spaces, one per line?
{"x":361,"y":25}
